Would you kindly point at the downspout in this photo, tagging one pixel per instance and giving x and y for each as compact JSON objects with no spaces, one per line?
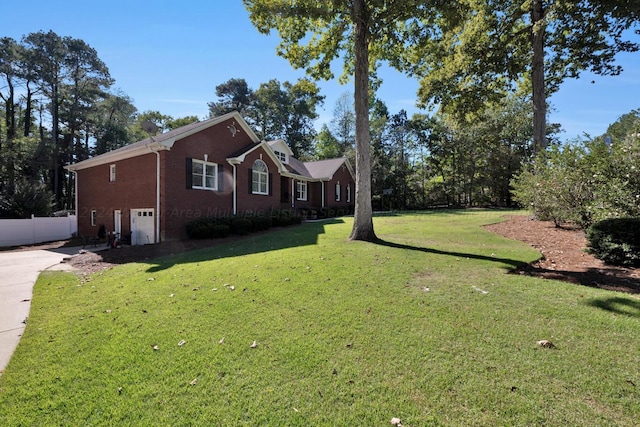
{"x":322,"y":182}
{"x":235,"y":193}
{"x":293,"y":194}
{"x":75,"y":201}
{"x":157,"y":239}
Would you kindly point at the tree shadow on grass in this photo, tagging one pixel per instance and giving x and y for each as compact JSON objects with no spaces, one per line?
{"x":618,"y":305}
{"x":609,"y":278}
{"x":266,"y":241}
{"x":603,"y":278}
{"x":511,"y":262}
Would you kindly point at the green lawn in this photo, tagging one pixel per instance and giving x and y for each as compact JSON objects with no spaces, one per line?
{"x":426,"y":326}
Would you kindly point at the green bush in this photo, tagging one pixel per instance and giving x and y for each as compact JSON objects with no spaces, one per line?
{"x":29,"y":198}
{"x":241,"y":226}
{"x":616,"y":241}
{"x":199,"y":228}
{"x":208,"y":228}
{"x":220,"y":230}
{"x":261,"y":223}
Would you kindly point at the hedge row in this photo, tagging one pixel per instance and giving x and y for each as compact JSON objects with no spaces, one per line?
{"x":212,"y":228}
{"x":326,"y":212}
{"x":616,"y":241}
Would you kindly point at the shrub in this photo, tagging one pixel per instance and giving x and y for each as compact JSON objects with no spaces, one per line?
{"x":241,"y":226}
{"x":200,"y":228}
{"x":29,"y":198}
{"x":261,"y":223}
{"x":207,"y":228}
{"x":220,"y":230}
{"x":616,"y":241}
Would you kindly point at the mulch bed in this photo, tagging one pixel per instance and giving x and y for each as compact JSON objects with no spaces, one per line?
{"x":564,"y":256}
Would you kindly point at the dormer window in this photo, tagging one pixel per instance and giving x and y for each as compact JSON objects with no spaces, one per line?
{"x":281,"y":156}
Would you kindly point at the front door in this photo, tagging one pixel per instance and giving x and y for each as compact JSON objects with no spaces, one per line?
{"x":142,"y":226}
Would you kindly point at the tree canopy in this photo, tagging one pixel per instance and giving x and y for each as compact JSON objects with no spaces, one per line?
{"x":488,"y":47}
{"x":363,"y":34}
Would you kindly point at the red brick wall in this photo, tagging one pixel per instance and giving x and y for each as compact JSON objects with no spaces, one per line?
{"x":258,"y":203}
{"x":133,"y":188}
{"x":181,"y":205}
{"x":343,"y":177}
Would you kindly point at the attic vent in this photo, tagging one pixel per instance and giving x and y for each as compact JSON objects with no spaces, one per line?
{"x":233,"y":129}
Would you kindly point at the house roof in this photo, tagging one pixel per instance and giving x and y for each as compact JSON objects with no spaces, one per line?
{"x":326,"y":168}
{"x":161,"y":142}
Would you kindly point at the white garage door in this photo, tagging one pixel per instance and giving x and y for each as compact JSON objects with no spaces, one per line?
{"x":142,"y":226}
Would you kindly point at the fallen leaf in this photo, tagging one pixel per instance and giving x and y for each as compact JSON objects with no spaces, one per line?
{"x":155,"y":347}
{"x":480,"y":290}
{"x":151,"y":279}
{"x":221,"y":340}
{"x":119,"y":390}
{"x":295,"y":410}
{"x":396,"y":422}
{"x":195,"y":380}
{"x":171,"y":295}
{"x":233,"y":288}
{"x":181,"y":343}
{"x":546,"y":344}
{"x":254,"y":345}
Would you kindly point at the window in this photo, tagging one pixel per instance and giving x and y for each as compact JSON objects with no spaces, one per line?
{"x":301,"y":190}
{"x":112,"y":173}
{"x":259,"y":178}
{"x":281,"y":156}
{"x":338,"y":192}
{"x":93,"y":217}
{"x":348,"y":193}
{"x":204,"y":175}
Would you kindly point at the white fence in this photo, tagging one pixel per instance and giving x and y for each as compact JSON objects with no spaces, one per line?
{"x":15,"y":232}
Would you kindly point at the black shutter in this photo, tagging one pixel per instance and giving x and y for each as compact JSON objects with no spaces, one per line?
{"x":250,"y":181}
{"x":189,"y":177}
{"x":220,"y":178}
{"x":270,"y":184}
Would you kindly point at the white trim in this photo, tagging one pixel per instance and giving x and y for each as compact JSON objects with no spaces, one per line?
{"x":261,"y":174}
{"x":305,"y":193}
{"x":235,"y":192}
{"x":162,"y":142}
{"x":204,"y":164}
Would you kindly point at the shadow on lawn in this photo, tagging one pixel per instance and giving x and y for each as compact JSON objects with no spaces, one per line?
{"x":618,"y":305}
{"x":266,"y":241}
{"x":609,"y":278}
{"x":512,"y":262}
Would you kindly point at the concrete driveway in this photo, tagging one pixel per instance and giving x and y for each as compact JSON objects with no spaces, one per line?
{"x":18,"y":274}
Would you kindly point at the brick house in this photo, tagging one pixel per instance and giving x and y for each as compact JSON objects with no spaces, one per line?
{"x":216,"y":167}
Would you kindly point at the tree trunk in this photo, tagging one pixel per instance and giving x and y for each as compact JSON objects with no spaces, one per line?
{"x":537,"y":77}
{"x":27,"y":112}
{"x":363,"y":221}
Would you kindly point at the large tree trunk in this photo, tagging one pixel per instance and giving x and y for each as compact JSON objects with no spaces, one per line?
{"x":363,"y":221}
{"x":537,"y":77}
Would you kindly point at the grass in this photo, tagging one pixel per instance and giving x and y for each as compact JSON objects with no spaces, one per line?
{"x":426,"y":326}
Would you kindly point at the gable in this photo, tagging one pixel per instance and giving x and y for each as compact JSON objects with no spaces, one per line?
{"x":232,"y":123}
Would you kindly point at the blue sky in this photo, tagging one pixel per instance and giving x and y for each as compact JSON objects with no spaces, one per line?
{"x":169,"y":56}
